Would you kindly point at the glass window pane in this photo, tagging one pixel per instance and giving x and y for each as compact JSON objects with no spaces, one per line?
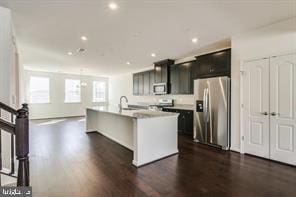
{"x":72,"y":91}
{"x":99,"y":91}
{"x":39,"y":90}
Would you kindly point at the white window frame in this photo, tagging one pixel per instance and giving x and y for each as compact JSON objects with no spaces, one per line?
{"x":94,"y":92}
{"x":66,"y":99}
{"x":31,"y":100}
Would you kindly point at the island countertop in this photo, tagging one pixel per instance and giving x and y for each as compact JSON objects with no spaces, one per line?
{"x":135,"y":113}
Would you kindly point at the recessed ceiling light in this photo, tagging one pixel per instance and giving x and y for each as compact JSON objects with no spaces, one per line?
{"x":128,"y":63}
{"x":70,"y":53}
{"x":194,"y":40}
{"x":83,"y":38}
{"x":113,"y":6}
{"x":153,"y":55}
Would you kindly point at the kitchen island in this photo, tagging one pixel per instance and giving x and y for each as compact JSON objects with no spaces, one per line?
{"x":151,"y":135}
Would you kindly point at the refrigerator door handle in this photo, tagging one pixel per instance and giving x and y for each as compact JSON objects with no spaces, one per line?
{"x":209,"y":114}
{"x":205,"y":105}
{"x":205,"y":113}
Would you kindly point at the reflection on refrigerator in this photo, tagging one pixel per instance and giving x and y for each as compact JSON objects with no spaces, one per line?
{"x":211,"y":117}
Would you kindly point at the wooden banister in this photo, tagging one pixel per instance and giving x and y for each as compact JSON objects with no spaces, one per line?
{"x":8,"y":108}
{"x":19,"y":129}
{"x":22,"y":145}
{"x":7,"y":126}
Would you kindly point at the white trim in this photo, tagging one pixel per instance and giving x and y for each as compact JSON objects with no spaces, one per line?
{"x":289,"y":52}
{"x":242,"y":142}
{"x":242,"y":62}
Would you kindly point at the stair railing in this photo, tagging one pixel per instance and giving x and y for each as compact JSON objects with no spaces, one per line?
{"x":18,"y":127}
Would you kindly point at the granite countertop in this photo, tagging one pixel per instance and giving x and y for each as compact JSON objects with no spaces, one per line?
{"x":137,"y":113}
{"x":179,"y":106}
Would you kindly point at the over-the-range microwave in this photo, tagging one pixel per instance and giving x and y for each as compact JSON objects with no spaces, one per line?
{"x":160,"y":88}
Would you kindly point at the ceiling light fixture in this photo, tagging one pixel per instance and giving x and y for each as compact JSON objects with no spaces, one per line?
{"x":70,"y":53}
{"x":153,"y":55}
{"x":194,"y":40}
{"x":128,"y":63}
{"x":113,"y":6}
{"x":84,"y":38}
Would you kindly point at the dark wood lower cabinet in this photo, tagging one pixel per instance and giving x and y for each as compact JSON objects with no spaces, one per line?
{"x":185,"y":120}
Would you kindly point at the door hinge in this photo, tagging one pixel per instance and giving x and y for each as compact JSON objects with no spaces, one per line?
{"x":243,"y":138}
{"x":242,"y":106}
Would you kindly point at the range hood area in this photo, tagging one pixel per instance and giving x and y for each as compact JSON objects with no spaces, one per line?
{"x":177,"y":79}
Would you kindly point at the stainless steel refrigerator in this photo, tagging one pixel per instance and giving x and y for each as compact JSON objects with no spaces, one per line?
{"x":211,"y":117}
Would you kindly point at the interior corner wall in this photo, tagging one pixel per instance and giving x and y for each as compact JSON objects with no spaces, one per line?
{"x":275,"y":39}
{"x":8,"y":76}
{"x":57,"y":107}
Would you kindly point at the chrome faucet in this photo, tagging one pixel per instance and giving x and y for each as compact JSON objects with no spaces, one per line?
{"x":120,"y":102}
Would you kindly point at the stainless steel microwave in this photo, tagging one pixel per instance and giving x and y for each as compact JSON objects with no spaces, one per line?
{"x":160,"y":88}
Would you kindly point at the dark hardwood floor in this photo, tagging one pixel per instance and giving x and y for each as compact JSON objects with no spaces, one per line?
{"x":65,"y":161}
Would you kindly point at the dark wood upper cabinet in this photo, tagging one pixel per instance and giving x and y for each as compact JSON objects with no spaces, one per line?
{"x":175,"y":79}
{"x":136,"y":84}
{"x":162,"y":69}
{"x":151,"y":80}
{"x":157,"y":71}
{"x":213,"y":64}
{"x":221,"y":62}
{"x":146,"y":83}
{"x":185,"y":85}
{"x":180,"y":78}
{"x":141,"y":83}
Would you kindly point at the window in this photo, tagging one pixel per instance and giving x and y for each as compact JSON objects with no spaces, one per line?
{"x":72,"y":91}
{"x":39,"y":90}
{"x":99,"y":91}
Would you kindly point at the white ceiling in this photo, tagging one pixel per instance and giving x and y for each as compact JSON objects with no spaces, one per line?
{"x":47,"y":29}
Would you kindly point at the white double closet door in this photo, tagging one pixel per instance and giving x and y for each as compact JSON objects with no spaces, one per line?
{"x":269,"y":108}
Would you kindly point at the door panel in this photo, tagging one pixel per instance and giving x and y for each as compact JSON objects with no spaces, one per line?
{"x":146,"y":82}
{"x":152,"y":81}
{"x":283,"y":108}
{"x":256,"y":107}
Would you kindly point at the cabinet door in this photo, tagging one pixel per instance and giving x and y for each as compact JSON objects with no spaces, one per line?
{"x":220,"y":62}
{"x":174,"y":79}
{"x":158,"y":71}
{"x":146,"y":82}
{"x":136,"y":84}
{"x":256,"y":107}
{"x":184,"y":74}
{"x":141,"y":84}
{"x":151,"y":81}
{"x":189,"y":122}
{"x":164,"y":74}
{"x":204,"y":66}
{"x":283,"y":108}
{"x":181,"y":121}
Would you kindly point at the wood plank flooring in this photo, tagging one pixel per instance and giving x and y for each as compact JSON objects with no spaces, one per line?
{"x":65,"y":161}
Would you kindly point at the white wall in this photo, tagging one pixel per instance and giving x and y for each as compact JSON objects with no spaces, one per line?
{"x":57,"y":107}
{"x":274,"y":39}
{"x":8,"y":75}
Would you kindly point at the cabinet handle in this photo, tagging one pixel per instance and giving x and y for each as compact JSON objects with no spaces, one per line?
{"x":274,"y":113}
{"x":264,"y":113}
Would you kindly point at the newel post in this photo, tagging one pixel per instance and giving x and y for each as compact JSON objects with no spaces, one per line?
{"x":22,"y":145}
